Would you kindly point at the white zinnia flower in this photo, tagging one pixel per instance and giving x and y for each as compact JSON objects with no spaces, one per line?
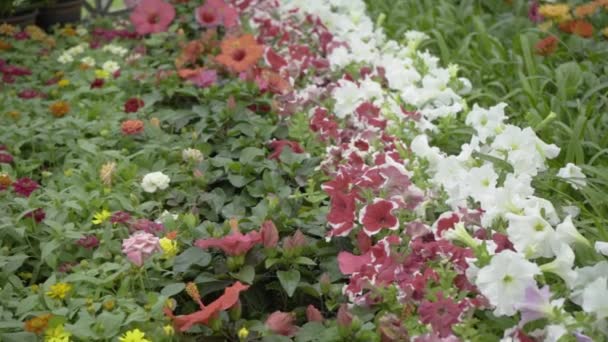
{"x":505,"y":279}
{"x":89,"y":61}
{"x":192,"y":154}
{"x":110,"y":66}
{"x":65,"y":58}
{"x":574,"y":175}
{"x":155,"y":181}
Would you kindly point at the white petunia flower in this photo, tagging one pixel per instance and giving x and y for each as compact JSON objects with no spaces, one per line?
{"x":505,"y":279}
{"x":586,"y":275}
{"x":601,"y":247}
{"x":574,"y":175}
{"x":562,"y":264}
{"x":531,"y":235}
{"x":155,"y":181}
{"x":595,"y":297}
{"x":566,"y":232}
{"x":487,"y":122}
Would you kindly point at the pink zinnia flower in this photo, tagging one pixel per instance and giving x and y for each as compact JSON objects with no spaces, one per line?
{"x":152,"y":16}
{"x":120,"y":217}
{"x":440,"y":314}
{"x":88,"y":241}
{"x":282,"y":323}
{"x":234,"y":244}
{"x":25,"y":186}
{"x":5,"y":158}
{"x":37,"y":215}
{"x":216,"y":12}
{"x":139,"y":247}
{"x":147,"y":226}
{"x":378,"y":215}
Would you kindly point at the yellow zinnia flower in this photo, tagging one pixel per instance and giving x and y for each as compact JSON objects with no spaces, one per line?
{"x":63,"y":83}
{"x":557,"y":11}
{"x":134,"y":335}
{"x":169,"y":247}
{"x":59,"y":290}
{"x":101,"y":217}
{"x":102,"y":74}
{"x":57,"y":334}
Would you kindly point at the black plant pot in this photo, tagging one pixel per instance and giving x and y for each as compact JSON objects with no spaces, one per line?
{"x":59,"y":13}
{"x":21,"y":19}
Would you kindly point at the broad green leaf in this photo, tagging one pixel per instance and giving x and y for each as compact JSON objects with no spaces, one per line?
{"x":289,"y":280}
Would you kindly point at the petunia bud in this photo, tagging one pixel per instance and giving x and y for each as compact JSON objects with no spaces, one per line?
{"x":325,"y":283}
{"x":313,"y":314}
{"x":236,"y":311}
{"x":270,"y":234}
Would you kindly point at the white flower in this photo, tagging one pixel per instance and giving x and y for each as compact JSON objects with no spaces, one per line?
{"x":155,"y":181}
{"x":566,"y":232}
{"x":481,"y":181}
{"x":81,"y":31}
{"x":595,"y":298}
{"x":348,"y":97}
{"x":531,"y":235}
{"x":487,"y":122}
{"x":420,"y":146}
{"x":192,"y":154}
{"x":586,"y":275}
{"x":65,"y":58}
{"x":562,"y":265}
{"x":505,"y":279}
{"x":89,"y":61}
{"x":574,"y":175}
{"x":601,"y":247}
{"x":115,"y":49}
{"x":110,"y":66}
{"x":555,"y":332}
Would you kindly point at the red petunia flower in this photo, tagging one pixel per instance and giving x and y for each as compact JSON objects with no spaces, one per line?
{"x":378,"y":215}
{"x":234,"y":244}
{"x":25,"y":186}
{"x":440,"y":314}
{"x":342,"y":208}
{"x":215,"y":13}
{"x":350,"y":263}
{"x":133,"y":105}
{"x":282,"y":323}
{"x":152,"y":16}
{"x":224,"y":302}
{"x":278,"y":145}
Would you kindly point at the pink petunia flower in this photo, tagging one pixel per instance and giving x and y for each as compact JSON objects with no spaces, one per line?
{"x":440,"y":314}
{"x":152,"y":16}
{"x":215,"y":13}
{"x":282,"y":323}
{"x":378,"y":215}
{"x":139,"y":247}
{"x":234,"y":244}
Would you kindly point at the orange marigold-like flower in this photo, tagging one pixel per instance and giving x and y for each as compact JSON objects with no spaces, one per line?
{"x":578,"y":27}
{"x":5,"y":181}
{"x":240,"y":53}
{"x":546,"y":46}
{"x":37,"y":324}
{"x":131,"y":127}
{"x":60,"y":108}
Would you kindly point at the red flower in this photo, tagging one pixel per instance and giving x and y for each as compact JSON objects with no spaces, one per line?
{"x":88,"y":241}
{"x":270,"y":234}
{"x":25,"y":186}
{"x":152,"y":16}
{"x":578,"y":27}
{"x":281,"y":323}
{"x":97,"y":83}
{"x":378,"y":215}
{"x":29,"y":94}
{"x":234,"y":244}
{"x":120,"y":217}
{"x":132,"y":127}
{"x":5,"y":158}
{"x":133,"y":105}
{"x":277,"y":147}
{"x":546,"y":46}
{"x":313,"y":314}
{"x":350,"y":263}
{"x":214,"y":13}
{"x":224,"y":302}
{"x":147,"y":226}
{"x":38,"y":215}
{"x":342,"y":208}
{"x":441,"y":314}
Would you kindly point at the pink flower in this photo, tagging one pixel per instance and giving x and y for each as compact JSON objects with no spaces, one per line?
{"x":38,"y":215}
{"x":297,"y":241}
{"x":344,"y":318}
{"x":342,"y":208}
{"x":25,"y":186}
{"x":313,"y":314}
{"x":88,"y":241}
{"x":440,"y":314}
{"x":215,"y":13}
{"x":147,"y":226}
{"x":139,"y":247}
{"x":120,"y":217}
{"x":270,"y":234}
{"x":204,"y":78}
{"x":29,"y":94}
{"x":152,"y":16}
{"x":350,"y":263}
{"x":378,"y":215}
{"x":281,"y":323}
{"x":234,"y":244}
{"x":5,"y":158}
{"x":278,"y":145}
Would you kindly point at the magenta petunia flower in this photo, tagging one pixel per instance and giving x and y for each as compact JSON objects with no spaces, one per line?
{"x":440,"y":314}
{"x":152,"y":16}
{"x":378,"y":215}
{"x":215,"y":13}
{"x":25,"y":186}
{"x":139,"y":247}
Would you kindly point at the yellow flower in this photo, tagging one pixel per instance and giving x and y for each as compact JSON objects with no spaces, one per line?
{"x":57,"y":334}
{"x":101,"y":217}
{"x":63,"y":83}
{"x":559,"y":12}
{"x":168,"y":330}
{"x":605,"y":32}
{"x":243,"y":333}
{"x":134,"y":335}
{"x":169,"y":247}
{"x":7,"y":29}
{"x":100,"y":73}
{"x":35,"y":288}
{"x":106,"y":172}
{"x":59,"y":290}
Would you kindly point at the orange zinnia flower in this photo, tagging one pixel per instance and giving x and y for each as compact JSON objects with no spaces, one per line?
{"x":5,"y":46}
{"x":240,"y":53}
{"x":546,"y":46}
{"x":578,"y":27}
{"x":37,"y":324}
{"x":586,"y":9}
{"x":131,"y":127}
{"x":5,"y":181}
{"x":59,"y":108}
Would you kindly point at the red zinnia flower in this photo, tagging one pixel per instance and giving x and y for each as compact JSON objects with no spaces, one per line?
{"x":97,"y":83}
{"x":120,"y":217}
{"x":240,"y":53}
{"x":216,"y":12}
{"x":378,"y":215}
{"x":25,"y":186}
{"x":133,"y":105}
{"x":38,"y":215}
{"x":546,"y":46}
{"x":147,"y":226}
{"x":131,"y":127}
{"x":441,"y":314}
{"x":6,"y":158}
{"x":278,"y":145}
{"x":234,"y":244}
{"x":88,"y":241}
{"x":28,"y":94}
{"x":224,"y":302}
{"x":152,"y":16}
{"x":282,"y":323}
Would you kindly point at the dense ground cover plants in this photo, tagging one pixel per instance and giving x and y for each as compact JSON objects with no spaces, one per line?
{"x":263,"y":170}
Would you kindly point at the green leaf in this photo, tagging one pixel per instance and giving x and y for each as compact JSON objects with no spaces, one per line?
{"x":246,"y":274}
{"x":111,"y":322}
{"x":289,"y":280}
{"x":19,"y":337}
{"x":305,"y":261}
{"x":248,"y":154}
{"x":191,"y":256}
{"x":172,"y":289}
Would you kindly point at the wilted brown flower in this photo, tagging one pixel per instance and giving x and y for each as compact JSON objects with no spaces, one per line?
{"x":37,"y":324}
{"x":60,"y":108}
{"x":106,"y":172}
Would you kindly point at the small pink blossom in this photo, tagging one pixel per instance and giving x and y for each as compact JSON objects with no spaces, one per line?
{"x":282,"y":323}
{"x":139,"y":247}
{"x":313,"y":314}
{"x":378,"y":215}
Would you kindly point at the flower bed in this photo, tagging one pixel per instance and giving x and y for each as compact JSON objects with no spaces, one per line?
{"x":258,"y":170}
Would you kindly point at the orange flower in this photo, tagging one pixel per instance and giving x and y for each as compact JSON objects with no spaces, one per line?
{"x":586,"y":9}
{"x":5,"y":181}
{"x":172,"y":235}
{"x":578,"y":27}
{"x":5,"y":46}
{"x":546,"y":46}
{"x":190,"y":53}
{"x":60,"y":108}
{"x":240,"y":53}
{"x":131,"y":127}
{"x":37,"y":324}
{"x":187,"y":73}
